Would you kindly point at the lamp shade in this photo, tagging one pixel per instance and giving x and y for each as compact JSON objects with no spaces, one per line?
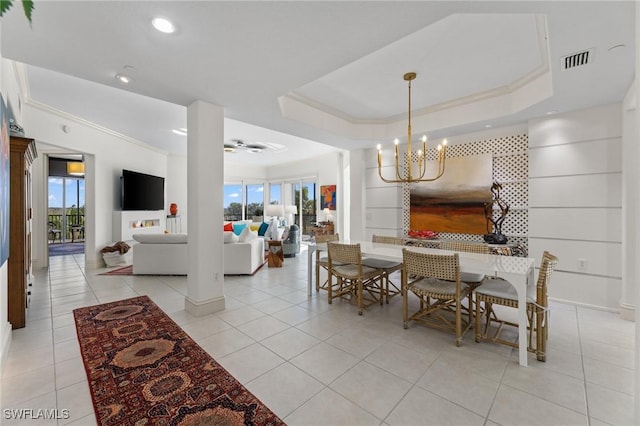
{"x":291,"y":209}
{"x":274,"y":210}
{"x":75,"y":168}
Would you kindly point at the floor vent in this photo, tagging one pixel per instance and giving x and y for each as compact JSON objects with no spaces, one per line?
{"x":577,"y":59}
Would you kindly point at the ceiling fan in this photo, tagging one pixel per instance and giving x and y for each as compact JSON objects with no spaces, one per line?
{"x":237,"y":145}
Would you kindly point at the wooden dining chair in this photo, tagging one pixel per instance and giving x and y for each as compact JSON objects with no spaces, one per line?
{"x":498,"y":291}
{"x":323,"y":261}
{"x":435,"y":280}
{"x":354,"y":281}
{"x":388,"y":267}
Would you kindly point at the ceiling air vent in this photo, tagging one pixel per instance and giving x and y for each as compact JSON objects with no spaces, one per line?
{"x":577,"y":59}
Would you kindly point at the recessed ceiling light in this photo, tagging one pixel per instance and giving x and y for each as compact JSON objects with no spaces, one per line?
{"x":553,"y":111}
{"x":123,"y":78}
{"x":488,"y":126}
{"x":181,"y":132}
{"x":163,"y":25}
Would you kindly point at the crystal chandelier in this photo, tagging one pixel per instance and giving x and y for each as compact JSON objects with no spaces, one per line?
{"x":421,"y":155}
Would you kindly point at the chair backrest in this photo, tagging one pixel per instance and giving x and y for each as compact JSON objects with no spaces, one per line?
{"x":327,"y":238}
{"x":388,"y":240}
{"x":344,"y":253}
{"x":547,"y":264}
{"x":441,"y":266}
{"x":467,"y":246}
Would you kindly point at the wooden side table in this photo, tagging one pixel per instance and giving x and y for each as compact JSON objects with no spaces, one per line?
{"x":325,"y":228}
{"x":276,"y":254}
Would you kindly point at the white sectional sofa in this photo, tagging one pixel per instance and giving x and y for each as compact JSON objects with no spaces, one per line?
{"x":166,"y":254}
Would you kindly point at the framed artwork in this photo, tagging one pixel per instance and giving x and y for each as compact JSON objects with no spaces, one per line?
{"x":455,"y":202}
{"x":328,"y":197}
{"x":4,"y":183}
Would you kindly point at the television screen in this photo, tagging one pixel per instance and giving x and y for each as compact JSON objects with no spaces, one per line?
{"x":141,"y":191}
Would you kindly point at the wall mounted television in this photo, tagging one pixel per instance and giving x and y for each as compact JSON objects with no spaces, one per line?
{"x":141,"y":191}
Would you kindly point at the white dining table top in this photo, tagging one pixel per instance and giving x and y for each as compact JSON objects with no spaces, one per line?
{"x":488,"y":264}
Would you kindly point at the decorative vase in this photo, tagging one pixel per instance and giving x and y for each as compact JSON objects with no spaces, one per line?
{"x":173,"y":209}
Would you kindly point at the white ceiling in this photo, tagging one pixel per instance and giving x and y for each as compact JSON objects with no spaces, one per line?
{"x":342,"y":62}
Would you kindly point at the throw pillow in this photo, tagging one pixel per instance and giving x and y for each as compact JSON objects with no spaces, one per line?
{"x":247,"y":235}
{"x":230,"y":237}
{"x":228,"y":227}
{"x":263,"y":228}
{"x":238,"y":228}
{"x":255,"y":227}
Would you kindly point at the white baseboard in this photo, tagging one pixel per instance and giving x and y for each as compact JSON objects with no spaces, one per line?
{"x":585,"y":305}
{"x":204,"y":308}
{"x":7,"y":335}
{"x":627,"y":312}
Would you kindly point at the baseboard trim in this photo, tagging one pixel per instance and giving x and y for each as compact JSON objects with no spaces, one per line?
{"x":586,"y":305}
{"x":7,"y":333}
{"x":206,"y":307}
{"x":627,"y":312}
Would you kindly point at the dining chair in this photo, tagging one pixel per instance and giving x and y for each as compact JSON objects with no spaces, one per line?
{"x":498,"y":291}
{"x":472,"y":279}
{"x":54,"y":232}
{"x":323,"y":261}
{"x":359,"y":283}
{"x":388,"y":267}
{"x":435,"y":280}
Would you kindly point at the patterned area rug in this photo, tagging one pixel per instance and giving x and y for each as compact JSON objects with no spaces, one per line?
{"x":143,"y":369}
{"x":125,"y":270}
{"x":62,"y":249}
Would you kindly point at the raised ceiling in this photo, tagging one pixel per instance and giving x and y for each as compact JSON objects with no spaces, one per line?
{"x":327,"y":72}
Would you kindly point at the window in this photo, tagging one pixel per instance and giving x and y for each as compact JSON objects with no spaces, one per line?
{"x":232,"y":202}
{"x":255,"y":200}
{"x":239,"y":198}
{"x":275,"y":193}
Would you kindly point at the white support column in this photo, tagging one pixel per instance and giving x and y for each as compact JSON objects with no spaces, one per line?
{"x":205,"y":182}
{"x":630,"y":210}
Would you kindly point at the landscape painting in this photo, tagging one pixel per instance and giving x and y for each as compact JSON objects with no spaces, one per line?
{"x":328,"y":197}
{"x":455,"y":202}
{"x":4,"y":184}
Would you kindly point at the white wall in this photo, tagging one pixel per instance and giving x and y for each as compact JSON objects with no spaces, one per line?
{"x":575,"y":202}
{"x":106,"y":154}
{"x":176,"y":188}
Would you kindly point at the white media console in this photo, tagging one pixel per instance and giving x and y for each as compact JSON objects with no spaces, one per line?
{"x":129,"y":222}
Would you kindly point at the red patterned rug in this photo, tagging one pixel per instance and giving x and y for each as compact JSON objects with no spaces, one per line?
{"x":125,"y":270}
{"x":143,"y":369}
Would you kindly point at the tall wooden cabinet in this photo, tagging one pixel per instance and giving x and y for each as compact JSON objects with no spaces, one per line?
{"x":22,"y":154}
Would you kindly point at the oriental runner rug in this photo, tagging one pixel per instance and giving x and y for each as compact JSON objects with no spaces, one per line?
{"x":125,"y":270}
{"x":143,"y":369}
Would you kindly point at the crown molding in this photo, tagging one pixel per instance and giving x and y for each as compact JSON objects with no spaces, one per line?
{"x":25,"y":97}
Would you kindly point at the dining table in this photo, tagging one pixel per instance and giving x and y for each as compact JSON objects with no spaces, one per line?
{"x":519,"y":271}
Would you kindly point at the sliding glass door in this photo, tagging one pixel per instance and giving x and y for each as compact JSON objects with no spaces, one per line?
{"x":66,"y":209}
{"x":304,"y":197}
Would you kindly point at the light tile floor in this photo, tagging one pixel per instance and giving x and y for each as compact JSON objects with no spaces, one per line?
{"x":318,"y":364}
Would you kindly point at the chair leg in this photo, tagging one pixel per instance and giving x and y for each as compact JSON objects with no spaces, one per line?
{"x":330,"y":287}
{"x":359,"y":296}
{"x":317,"y":276}
{"x":458,"y":322}
{"x":405,"y":304}
{"x":540,"y":335}
{"x":478,"y":314}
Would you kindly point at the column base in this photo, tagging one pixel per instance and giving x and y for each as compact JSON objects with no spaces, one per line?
{"x":627,"y":312}
{"x":206,"y":307}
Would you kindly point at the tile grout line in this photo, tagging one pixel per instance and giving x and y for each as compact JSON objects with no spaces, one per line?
{"x":584,"y":373}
